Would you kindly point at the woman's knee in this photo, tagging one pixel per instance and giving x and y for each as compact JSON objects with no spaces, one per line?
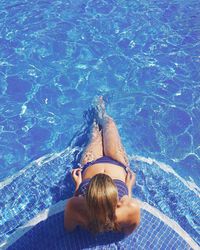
{"x":118,"y":154}
{"x":113,"y":151}
{"x":87,"y":157}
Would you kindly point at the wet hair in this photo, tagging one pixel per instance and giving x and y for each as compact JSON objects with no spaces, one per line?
{"x":101,"y":199}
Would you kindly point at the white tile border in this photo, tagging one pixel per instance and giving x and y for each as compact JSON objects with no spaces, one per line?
{"x":59,"y":207}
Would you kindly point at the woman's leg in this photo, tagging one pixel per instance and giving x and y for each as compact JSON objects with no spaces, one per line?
{"x":112,"y":145}
{"x":94,"y":149}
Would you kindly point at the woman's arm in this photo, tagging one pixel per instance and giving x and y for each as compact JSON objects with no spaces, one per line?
{"x":76,"y":190}
{"x":130,"y":181}
{"x":77,"y":177}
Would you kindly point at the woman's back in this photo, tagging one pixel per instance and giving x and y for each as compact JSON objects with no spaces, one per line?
{"x":127,"y":213}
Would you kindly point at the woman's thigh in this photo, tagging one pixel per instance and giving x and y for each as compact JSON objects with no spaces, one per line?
{"x":112,"y":144}
{"x":94,"y":149}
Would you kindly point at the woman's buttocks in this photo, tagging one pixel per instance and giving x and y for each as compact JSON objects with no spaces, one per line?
{"x":114,"y":171}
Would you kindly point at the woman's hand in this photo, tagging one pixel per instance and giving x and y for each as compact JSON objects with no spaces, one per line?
{"x":130,"y":179}
{"x":77,"y":177}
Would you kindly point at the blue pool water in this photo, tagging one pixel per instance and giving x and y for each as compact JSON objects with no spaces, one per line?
{"x":142,"y":56}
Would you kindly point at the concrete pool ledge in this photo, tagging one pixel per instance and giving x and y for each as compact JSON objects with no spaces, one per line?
{"x":149,"y":211}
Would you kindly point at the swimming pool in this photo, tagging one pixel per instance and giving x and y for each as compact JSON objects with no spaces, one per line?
{"x":56,"y":57}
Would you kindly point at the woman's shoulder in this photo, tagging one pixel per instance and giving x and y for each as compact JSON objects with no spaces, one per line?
{"x":74,"y":211}
{"x":74,"y":203}
{"x":129,"y":201}
{"x":134,"y":210}
{"x":129,"y":214}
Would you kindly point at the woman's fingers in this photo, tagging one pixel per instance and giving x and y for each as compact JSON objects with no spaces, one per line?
{"x":76,"y":172}
{"x":133,"y":175}
{"x":131,"y":171}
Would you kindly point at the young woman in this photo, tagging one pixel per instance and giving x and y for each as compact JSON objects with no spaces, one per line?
{"x":102,"y":200}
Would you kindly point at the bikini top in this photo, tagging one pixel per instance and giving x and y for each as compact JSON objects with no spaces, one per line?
{"x":121,"y":187}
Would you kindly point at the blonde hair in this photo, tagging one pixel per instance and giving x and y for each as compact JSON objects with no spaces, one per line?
{"x":101,"y":199}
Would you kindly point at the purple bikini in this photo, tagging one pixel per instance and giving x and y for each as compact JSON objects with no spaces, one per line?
{"x":121,"y":186}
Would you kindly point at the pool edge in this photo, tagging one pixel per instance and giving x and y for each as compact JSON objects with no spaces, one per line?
{"x":59,"y":207}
